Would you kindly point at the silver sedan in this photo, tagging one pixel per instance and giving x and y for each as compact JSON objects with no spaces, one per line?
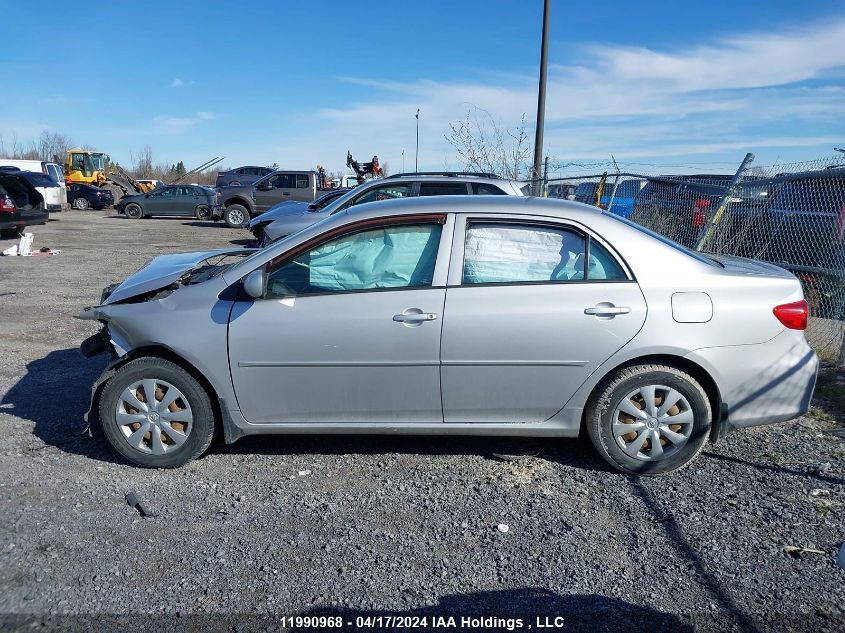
{"x":453,"y":315}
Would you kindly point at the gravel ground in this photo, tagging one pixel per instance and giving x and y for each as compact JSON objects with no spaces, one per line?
{"x":397,"y":525}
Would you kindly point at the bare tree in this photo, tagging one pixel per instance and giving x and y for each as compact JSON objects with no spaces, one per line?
{"x":482,"y":144}
{"x":142,"y":166}
{"x":52,"y":146}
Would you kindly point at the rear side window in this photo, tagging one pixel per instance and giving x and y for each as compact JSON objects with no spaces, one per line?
{"x":443,"y":189}
{"x":302,"y":181}
{"x":511,"y":253}
{"x":484,"y":189}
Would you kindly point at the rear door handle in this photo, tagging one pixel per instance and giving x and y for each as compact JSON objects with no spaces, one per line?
{"x":607,"y":310}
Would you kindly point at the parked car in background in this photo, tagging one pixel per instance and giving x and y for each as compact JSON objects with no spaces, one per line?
{"x":51,"y":192}
{"x":621,"y":197}
{"x":586,"y":192}
{"x":803,"y":229}
{"x":347,"y":181}
{"x":241,"y":175}
{"x":678,"y":206}
{"x":21,"y":205}
{"x":497,"y":316}
{"x":53,"y":170}
{"x":562,"y":191}
{"x":398,"y":186}
{"x":172,"y":200}
{"x":256,"y":225}
{"x":82,"y":196}
{"x":245,"y":202}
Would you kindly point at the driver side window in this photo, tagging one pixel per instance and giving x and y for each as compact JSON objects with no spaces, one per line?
{"x":400,"y":256}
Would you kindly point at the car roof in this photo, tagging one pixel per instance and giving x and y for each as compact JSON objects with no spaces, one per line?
{"x":488,"y":205}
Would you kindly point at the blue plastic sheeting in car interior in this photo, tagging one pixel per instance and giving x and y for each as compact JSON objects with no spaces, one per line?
{"x":393,"y":257}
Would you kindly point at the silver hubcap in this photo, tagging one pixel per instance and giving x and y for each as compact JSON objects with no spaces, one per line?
{"x":236,"y":216}
{"x":652,"y":422}
{"x":154,"y":416}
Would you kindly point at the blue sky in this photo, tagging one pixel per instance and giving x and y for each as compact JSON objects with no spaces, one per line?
{"x":299,"y":83}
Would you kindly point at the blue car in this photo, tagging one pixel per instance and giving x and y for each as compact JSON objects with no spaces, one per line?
{"x":623,"y":200}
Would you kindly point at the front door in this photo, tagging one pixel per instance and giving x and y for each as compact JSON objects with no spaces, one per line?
{"x":526,"y":322}
{"x":275,"y":189}
{"x":347,"y":331}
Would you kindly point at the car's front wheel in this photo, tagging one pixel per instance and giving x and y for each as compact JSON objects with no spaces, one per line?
{"x":134,"y":211}
{"x":155,"y":414}
{"x":236,"y":216}
{"x":649,"y":419}
{"x":81,"y":204}
{"x":203,"y":212}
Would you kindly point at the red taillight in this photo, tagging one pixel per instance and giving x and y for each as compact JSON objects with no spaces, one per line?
{"x":793,"y":315}
{"x":7,"y":205}
{"x":840,"y":224}
{"x":699,"y":216}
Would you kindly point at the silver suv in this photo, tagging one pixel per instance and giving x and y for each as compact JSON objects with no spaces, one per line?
{"x":287,"y":222}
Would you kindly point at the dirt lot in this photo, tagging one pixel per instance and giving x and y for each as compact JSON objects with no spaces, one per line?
{"x":304,"y":525}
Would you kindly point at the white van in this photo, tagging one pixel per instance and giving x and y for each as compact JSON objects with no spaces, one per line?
{"x":55,"y":199}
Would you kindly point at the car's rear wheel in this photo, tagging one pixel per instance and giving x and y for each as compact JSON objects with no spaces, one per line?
{"x":203,"y":212}
{"x":236,"y":216}
{"x":80,"y":203}
{"x":155,"y":414}
{"x":134,"y":211}
{"x":649,"y":419}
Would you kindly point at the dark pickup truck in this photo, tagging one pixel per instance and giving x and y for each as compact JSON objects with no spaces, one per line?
{"x":245,"y":202}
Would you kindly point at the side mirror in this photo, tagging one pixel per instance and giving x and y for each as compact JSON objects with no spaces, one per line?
{"x":254,"y":283}
{"x":264,"y":186}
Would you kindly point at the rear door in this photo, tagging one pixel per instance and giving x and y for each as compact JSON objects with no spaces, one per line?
{"x":304,"y":187}
{"x":526,"y":321}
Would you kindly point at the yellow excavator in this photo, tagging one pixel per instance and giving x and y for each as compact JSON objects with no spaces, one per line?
{"x":91,"y":168}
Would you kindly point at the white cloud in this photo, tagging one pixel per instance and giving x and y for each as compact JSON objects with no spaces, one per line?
{"x":177,"y":124}
{"x":740,"y":92}
{"x":177,"y":83}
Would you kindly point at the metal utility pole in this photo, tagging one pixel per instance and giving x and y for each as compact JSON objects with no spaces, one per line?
{"x":403,"y":160}
{"x":541,"y":102}
{"x":417,"y":159}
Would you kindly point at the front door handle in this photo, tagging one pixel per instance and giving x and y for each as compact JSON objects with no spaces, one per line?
{"x":607,"y":309}
{"x":414,"y":316}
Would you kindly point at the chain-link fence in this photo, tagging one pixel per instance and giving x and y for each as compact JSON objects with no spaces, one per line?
{"x":790,"y":215}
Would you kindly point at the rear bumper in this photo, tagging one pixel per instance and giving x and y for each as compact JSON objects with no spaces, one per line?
{"x":763,"y":384}
{"x":17,"y":221}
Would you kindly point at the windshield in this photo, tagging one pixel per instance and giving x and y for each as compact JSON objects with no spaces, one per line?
{"x":97,"y":161}
{"x":324,"y":200}
{"x":665,"y":240}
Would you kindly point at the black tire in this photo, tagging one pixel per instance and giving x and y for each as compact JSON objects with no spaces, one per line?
{"x":133,"y":211}
{"x":9,"y":234}
{"x":81,"y":204}
{"x":203,"y":212}
{"x":236,"y":216}
{"x":199,"y":433}
{"x":603,"y":405}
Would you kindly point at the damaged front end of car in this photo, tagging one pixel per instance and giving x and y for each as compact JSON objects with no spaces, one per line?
{"x":143,"y":310}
